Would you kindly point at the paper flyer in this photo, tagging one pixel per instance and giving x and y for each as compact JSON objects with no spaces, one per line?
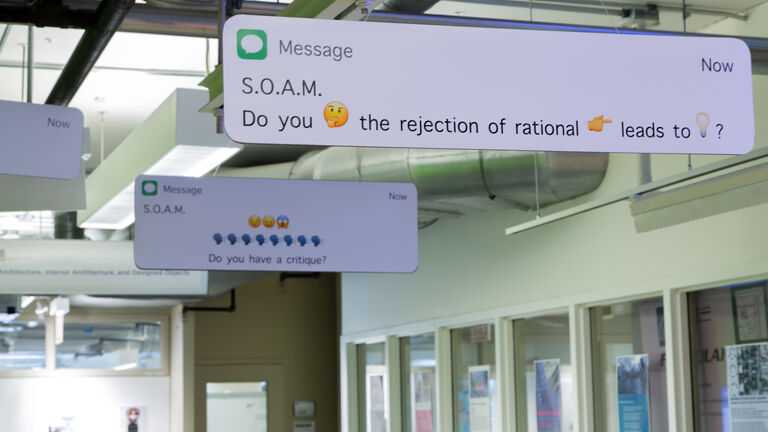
{"x":422,"y":388}
{"x":747,"y":386}
{"x":548,"y":400}
{"x":376,"y":407}
{"x":632,"y":378}
{"x":479,"y":398}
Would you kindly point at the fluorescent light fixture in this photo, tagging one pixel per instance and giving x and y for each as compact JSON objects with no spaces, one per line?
{"x":176,"y":139}
{"x":26,"y":301}
{"x":728,"y":192}
{"x":125,"y":366}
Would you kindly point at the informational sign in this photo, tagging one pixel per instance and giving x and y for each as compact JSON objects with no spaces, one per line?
{"x":479,"y":398}
{"x":749,"y":313}
{"x":40,"y":140}
{"x":748,"y":386}
{"x":654,"y":345}
{"x":548,"y":405}
{"x":216,"y":223}
{"x":47,"y":267}
{"x":330,"y":82}
{"x":422,"y":395}
{"x":632,"y":377}
{"x":303,"y":408}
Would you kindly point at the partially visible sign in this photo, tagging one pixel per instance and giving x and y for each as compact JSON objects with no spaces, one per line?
{"x":216,"y":223}
{"x":632,"y":378}
{"x":747,"y":368}
{"x":548,"y":395}
{"x":45,"y":267}
{"x":40,"y":140}
{"x":342,"y":83}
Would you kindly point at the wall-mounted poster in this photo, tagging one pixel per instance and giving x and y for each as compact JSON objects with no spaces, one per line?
{"x":548,"y":407}
{"x":748,"y":386}
{"x":479,"y":398}
{"x":133,"y":419}
{"x":632,"y":378}
{"x":422,"y":387}
{"x":376,"y":408}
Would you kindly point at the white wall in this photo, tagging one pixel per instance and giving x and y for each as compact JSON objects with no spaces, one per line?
{"x":94,"y":404}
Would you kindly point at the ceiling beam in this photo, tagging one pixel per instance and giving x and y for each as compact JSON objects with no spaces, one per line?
{"x":109,"y":16}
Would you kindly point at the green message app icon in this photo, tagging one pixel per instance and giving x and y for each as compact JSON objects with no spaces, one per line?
{"x":149,"y":187}
{"x":251,"y":44}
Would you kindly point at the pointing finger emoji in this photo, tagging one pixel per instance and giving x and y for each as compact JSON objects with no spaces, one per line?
{"x":596,"y":124}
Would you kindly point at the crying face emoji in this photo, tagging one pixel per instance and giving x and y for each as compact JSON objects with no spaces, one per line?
{"x":335,"y":114}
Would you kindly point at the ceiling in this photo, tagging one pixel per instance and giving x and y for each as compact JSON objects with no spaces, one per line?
{"x":136,"y":72}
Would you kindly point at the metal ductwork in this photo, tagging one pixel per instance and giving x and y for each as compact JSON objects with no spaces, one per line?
{"x":452,"y":182}
{"x":409,"y":6}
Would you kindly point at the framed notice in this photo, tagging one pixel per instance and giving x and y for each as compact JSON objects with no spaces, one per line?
{"x":749,"y":315}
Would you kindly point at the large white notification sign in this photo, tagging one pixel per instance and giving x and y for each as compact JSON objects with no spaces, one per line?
{"x":218,"y":223}
{"x":40,"y":140}
{"x":328,"y":82}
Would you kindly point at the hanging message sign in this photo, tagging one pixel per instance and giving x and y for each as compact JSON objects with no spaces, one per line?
{"x":40,"y":140}
{"x":216,"y":223}
{"x":328,"y":82}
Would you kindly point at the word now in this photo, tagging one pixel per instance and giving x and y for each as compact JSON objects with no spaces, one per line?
{"x":715,"y":66}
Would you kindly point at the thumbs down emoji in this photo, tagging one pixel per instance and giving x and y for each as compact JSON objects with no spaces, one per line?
{"x":596,"y":124}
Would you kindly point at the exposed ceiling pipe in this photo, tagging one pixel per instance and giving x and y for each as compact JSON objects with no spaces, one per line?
{"x":452,"y":181}
{"x":248,"y":7}
{"x":409,"y":6}
{"x":109,"y":15}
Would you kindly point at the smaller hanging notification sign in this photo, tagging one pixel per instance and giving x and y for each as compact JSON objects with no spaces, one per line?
{"x":216,"y":223}
{"x":40,"y":140}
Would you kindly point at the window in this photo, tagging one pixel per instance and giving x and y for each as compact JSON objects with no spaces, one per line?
{"x":474,"y":377}
{"x":629,"y":366}
{"x":110,"y":345}
{"x":722,"y":317}
{"x":417,"y":367}
{"x":543,"y":376}
{"x":372,"y":387}
{"x":22,"y":345}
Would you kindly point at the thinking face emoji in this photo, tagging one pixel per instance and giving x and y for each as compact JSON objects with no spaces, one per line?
{"x":335,"y":114}
{"x":269,"y":221}
{"x":254,"y":221}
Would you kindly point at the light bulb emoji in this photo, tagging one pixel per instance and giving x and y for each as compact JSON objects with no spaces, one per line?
{"x":702,"y":120}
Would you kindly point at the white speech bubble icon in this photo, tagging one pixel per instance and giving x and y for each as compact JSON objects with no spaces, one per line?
{"x":251,"y":44}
